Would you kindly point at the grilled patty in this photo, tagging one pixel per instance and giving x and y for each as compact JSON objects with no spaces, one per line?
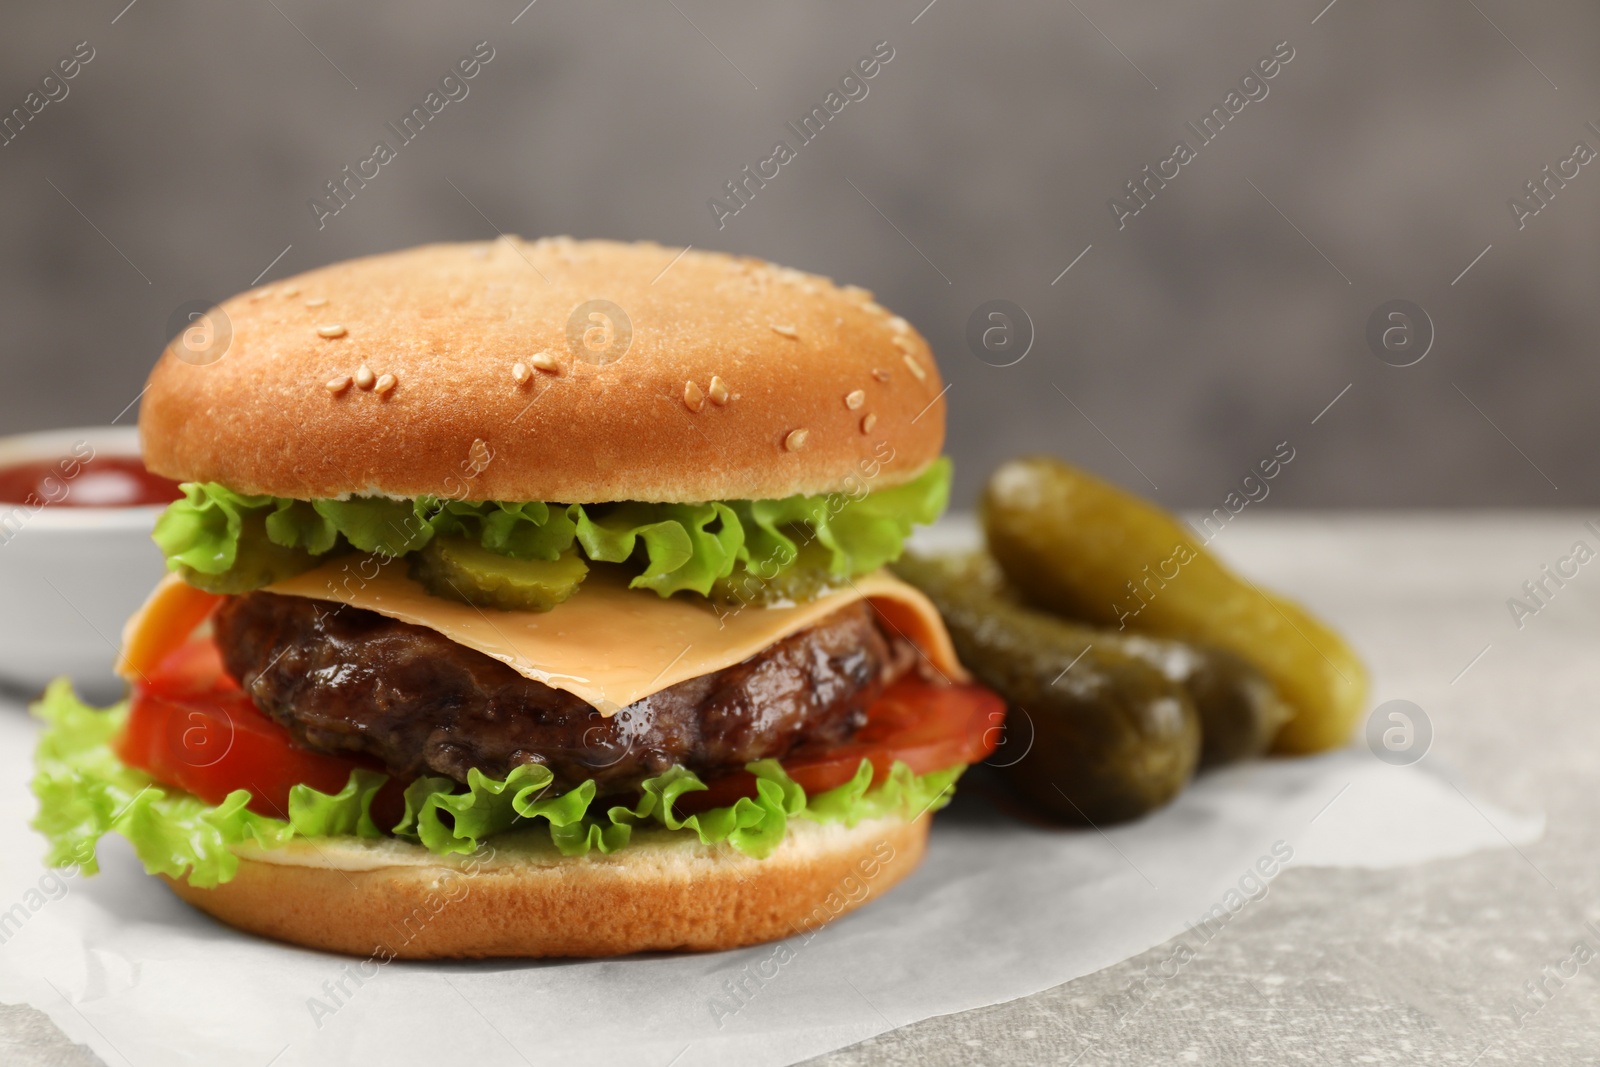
{"x":351,"y":681}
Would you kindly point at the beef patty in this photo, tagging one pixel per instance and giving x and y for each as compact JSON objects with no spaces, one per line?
{"x":351,"y":681}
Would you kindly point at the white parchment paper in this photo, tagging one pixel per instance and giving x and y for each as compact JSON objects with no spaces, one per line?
{"x":1000,"y":909}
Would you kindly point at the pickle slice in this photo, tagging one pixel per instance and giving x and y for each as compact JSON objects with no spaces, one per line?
{"x":460,"y":569}
{"x":1106,"y":735}
{"x":1083,"y":548}
{"x":765,"y":584}
{"x":258,"y":563}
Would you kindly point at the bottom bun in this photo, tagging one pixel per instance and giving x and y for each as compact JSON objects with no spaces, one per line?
{"x":517,"y":896}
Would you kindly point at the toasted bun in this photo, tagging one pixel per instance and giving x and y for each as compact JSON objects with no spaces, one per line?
{"x":821,"y":384}
{"x":395,"y":900}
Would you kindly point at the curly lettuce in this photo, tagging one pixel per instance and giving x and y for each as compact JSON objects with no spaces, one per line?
{"x":861,"y":533}
{"x":232,"y":541}
{"x":86,"y":792}
{"x":686,"y":546}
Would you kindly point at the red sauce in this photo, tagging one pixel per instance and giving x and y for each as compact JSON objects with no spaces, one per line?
{"x":84,"y":480}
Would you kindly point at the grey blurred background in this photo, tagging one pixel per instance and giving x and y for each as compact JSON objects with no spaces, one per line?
{"x":1175,"y":354}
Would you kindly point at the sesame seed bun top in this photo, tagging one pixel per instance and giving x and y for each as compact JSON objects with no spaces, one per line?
{"x":562,"y":370}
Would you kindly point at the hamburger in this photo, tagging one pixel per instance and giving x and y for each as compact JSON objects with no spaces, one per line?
{"x":527,"y":599}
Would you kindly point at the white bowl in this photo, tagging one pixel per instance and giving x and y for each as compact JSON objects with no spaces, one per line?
{"x":70,"y":576}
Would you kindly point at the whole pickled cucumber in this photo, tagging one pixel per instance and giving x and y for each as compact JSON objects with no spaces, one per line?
{"x":461,"y":569}
{"x":1081,"y":547}
{"x":1112,"y":737}
{"x":1240,"y":711}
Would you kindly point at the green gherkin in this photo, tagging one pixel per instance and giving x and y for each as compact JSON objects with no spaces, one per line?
{"x":1108,"y":734}
{"x":1084,"y":549}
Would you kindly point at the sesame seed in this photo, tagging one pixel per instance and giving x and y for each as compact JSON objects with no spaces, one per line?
{"x":261,"y":294}
{"x":693,"y":398}
{"x":868,"y":421}
{"x":796,"y":440}
{"x":331,"y":330}
{"x":365,"y":379}
{"x":520,"y":373}
{"x":316,"y":302}
{"x":855,"y":398}
{"x":718,"y":391}
{"x":290,"y":293}
{"x":386,"y":384}
{"x":338,"y":385}
{"x":787,"y":331}
{"x":899,"y":325}
{"x":872,"y":308}
{"x":916,"y":368}
{"x":544,"y":361}
{"x":902,"y":341}
{"x":880,"y":374}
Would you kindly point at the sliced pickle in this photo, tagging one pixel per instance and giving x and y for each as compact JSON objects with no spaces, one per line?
{"x":1085,"y":549}
{"x":460,"y":569}
{"x":805,"y":578}
{"x":1108,"y":735}
{"x":257,"y":563}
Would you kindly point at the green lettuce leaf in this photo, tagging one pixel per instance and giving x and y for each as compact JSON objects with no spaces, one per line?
{"x":861,"y":533}
{"x":201,"y":531}
{"x":688,"y":546}
{"x":901,"y":793}
{"x":754,"y":826}
{"x":345,"y":813}
{"x":378,"y":524}
{"x":532,"y":530}
{"x":229,"y":540}
{"x":444,"y":820}
{"x":298,"y":524}
{"x":86,"y":792}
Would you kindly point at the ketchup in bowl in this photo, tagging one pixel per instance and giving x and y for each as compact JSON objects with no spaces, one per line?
{"x":84,"y":480}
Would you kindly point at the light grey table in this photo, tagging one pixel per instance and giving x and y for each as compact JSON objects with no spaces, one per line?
{"x":1431,"y":963}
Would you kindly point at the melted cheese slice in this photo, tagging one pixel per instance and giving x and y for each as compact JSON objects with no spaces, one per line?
{"x":610,"y":645}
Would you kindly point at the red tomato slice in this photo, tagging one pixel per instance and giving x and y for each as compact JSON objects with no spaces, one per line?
{"x":191,"y":726}
{"x":928,"y":727}
{"x":193,"y":667}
